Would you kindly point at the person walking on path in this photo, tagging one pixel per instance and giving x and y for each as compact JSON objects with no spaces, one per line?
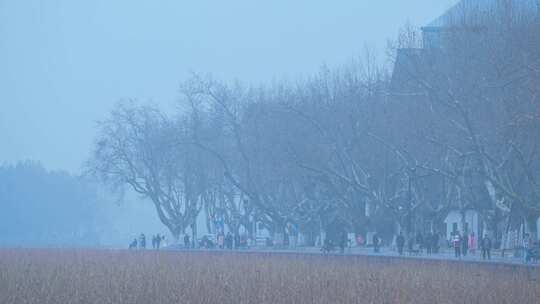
{"x":220,"y":240}
{"x":400,"y":242}
{"x":457,"y":245}
{"x":428,"y":241}
{"x":163,"y":242}
{"x":527,"y":246}
{"x":376,"y":243}
{"x":360,"y":240}
{"x":236,"y":239}
{"x":229,"y":241}
{"x":153,"y":242}
{"x":142,"y":241}
{"x":410,"y":244}
{"x":343,"y":240}
{"x":133,"y":245}
{"x":158,"y":241}
{"x":435,"y":243}
{"x":486,"y":247}
{"x":186,"y":241}
{"x":473,"y":243}
{"x":420,"y":241}
{"x":465,"y":244}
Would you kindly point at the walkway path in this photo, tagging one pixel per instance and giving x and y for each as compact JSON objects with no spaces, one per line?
{"x":496,"y":257}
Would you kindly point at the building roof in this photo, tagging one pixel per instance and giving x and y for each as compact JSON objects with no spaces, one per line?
{"x":414,"y":64}
{"x":474,"y":11}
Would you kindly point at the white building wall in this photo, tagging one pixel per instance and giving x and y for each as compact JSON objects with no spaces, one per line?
{"x":471,"y":218}
{"x":202,"y":228}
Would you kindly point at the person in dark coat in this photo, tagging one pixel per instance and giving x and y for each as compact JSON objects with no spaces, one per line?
{"x":343,"y":240}
{"x":158,"y":240}
{"x":465,"y":244}
{"x":153,"y":242}
{"x":133,"y":245}
{"x":229,"y":241}
{"x":376,"y":243}
{"x":142,"y":241}
{"x":486,"y":245}
{"x":420,"y":241}
{"x":186,"y":241}
{"x":236,"y":241}
{"x":435,"y":243}
{"x":410,"y":244}
{"x":428,"y":241}
{"x":400,"y":242}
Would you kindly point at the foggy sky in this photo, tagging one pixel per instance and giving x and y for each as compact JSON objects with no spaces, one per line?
{"x":65,"y":63}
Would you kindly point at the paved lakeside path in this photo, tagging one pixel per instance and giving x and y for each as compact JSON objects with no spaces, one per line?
{"x":445,"y":256}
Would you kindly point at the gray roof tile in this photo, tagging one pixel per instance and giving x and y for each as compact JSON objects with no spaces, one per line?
{"x":474,"y":11}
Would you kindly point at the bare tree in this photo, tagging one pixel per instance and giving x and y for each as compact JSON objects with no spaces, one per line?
{"x":138,"y":147}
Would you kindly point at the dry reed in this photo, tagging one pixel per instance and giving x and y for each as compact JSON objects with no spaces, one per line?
{"x":148,"y":277}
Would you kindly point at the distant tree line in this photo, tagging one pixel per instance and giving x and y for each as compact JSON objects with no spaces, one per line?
{"x":454,"y":127}
{"x":45,"y":208}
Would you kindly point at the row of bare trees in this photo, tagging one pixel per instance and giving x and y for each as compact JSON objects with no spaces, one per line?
{"x":456,"y":127}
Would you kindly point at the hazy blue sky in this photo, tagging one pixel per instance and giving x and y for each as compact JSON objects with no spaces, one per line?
{"x":65,"y":63}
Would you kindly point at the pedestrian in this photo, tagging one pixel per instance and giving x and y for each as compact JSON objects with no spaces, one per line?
{"x":343,"y":242}
{"x":158,"y":241}
{"x":486,"y":247}
{"x":428,"y":241}
{"x":285,"y":240}
{"x":400,"y":242}
{"x":457,"y":245}
{"x":220,"y":240}
{"x":359,"y":240}
{"x":328,"y":245}
{"x":163,"y":241}
{"x":473,"y":243}
{"x":153,"y":242}
{"x":527,"y":246}
{"x":204,"y":242}
{"x":435,"y":243}
{"x":420,"y":241}
{"x":465,"y":244}
{"x":186,"y":241}
{"x":142,"y":241}
{"x":133,"y":245}
{"x":229,"y":241}
{"x":237,"y":240}
{"x":411,"y":244}
{"x":376,"y":243}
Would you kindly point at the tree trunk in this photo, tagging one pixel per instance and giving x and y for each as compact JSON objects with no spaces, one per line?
{"x":194,"y":235}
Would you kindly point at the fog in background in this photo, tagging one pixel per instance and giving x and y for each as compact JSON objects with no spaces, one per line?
{"x":64,"y":64}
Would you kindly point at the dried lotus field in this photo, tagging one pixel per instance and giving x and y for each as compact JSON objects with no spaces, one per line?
{"x":146,"y":277}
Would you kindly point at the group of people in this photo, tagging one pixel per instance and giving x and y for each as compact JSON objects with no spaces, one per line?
{"x":462,"y":244}
{"x":222,"y":241}
{"x":531,"y":249}
{"x":468,"y":243}
{"x":329,"y":244}
{"x":419,"y":242}
{"x":228,"y":241}
{"x":157,"y":240}
{"x":140,"y":243}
